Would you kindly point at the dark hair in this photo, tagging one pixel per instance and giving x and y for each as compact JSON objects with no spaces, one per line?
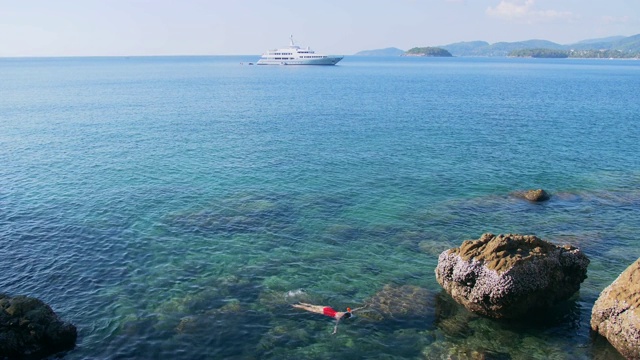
{"x":346,"y":315}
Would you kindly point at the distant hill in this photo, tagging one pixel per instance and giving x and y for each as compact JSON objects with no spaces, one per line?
{"x":601,"y":40}
{"x":482,"y":48}
{"x":466,"y":47}
{"x":629,"y":44}
{"x":391,"y":51}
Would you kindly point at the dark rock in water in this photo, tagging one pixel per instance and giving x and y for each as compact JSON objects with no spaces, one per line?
{"x":538,"y":195}
{"x":505,"y":276}
{"x":452,"y":318}
{"x":29,"y":329}
{"x":400,"y":303}
{"x":453,"y":350}
{"x":616,"y":313}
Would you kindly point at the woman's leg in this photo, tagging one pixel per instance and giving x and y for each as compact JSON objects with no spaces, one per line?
{"x":319,"y":309}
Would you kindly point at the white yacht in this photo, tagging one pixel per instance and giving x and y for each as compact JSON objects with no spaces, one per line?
{"x":295,"y":55}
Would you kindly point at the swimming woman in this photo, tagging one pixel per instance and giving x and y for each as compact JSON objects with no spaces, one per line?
{"x":328,"y":311}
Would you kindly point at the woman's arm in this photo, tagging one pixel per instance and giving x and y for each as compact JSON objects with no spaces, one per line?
{"x":335,"y":328}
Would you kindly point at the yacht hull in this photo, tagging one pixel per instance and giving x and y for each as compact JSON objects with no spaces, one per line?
{"x":324,"y":61}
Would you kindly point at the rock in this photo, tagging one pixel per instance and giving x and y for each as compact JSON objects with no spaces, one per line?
{"x":30,"y":329}
{"x":505,"y":276}
{"x":616,"y":313}
{"x":538,"y":195}
{"x":400,"y":303}
{"x":452,"y":318}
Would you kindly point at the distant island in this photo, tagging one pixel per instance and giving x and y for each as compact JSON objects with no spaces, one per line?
{"x":611,"y":47}
{"x":427,"y":51}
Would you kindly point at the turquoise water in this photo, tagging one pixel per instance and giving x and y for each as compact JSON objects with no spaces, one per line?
{"x":176,"y":207}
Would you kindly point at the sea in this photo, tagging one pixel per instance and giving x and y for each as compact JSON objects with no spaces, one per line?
{"x":176,"y":207}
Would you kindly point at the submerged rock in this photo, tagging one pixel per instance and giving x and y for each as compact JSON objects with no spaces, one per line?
{"x":30,"y":329}
{"x":400,"y":303}
{"x":616,"y":313}
{"x":452,"y":318}
{"x":505,"y":276}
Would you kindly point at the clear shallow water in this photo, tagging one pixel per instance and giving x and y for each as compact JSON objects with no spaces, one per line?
{"x":174,"y":207}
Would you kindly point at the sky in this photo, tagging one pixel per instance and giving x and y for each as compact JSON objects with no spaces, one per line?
{"x":342,"y":27}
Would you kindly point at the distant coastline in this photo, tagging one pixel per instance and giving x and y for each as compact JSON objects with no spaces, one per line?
{"x":617,"y":47}
{"x":581,"y":54}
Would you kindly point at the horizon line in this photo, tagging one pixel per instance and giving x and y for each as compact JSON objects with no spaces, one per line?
{"x":382,"y":48}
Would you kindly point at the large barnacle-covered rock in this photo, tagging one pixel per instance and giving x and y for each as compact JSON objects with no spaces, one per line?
{"x":616,"y":313}
{"x":505,"y":276}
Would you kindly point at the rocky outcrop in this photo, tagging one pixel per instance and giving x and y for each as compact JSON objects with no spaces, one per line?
{"x":30,"y":329}
{"x":505,"y":276}
{"x":537,"y":195}
{"x":616,"y":313}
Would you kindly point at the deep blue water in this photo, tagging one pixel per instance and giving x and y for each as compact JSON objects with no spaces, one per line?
{"x":174,"y":207}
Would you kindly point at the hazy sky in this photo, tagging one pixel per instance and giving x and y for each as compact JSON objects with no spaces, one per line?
{"x":220,"y":27}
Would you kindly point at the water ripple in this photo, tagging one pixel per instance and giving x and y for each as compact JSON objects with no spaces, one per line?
{"x":169,"y":206}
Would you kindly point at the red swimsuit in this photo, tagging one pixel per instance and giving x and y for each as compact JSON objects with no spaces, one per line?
{"x":329,"y":311}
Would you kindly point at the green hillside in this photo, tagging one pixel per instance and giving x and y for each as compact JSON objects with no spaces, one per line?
{"x":428,"y":51}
